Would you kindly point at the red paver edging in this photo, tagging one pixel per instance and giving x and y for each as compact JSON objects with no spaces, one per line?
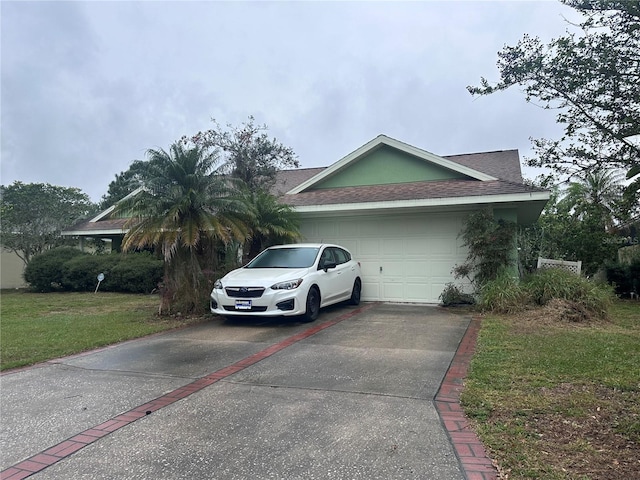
{"x":476,"y":465}
{"x":42,"y":460}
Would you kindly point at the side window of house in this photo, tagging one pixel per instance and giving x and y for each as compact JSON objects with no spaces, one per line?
{"x":340,"y":255}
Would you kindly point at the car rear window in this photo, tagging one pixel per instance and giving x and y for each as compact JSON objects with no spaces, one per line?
{"x":302,"y":257}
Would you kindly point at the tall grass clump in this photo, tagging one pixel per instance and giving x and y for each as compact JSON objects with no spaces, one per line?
{"x":504,"y":294}
{"x":555,"y":283}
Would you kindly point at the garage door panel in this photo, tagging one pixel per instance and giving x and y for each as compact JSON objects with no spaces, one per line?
{"x":393,"y":291}
{"x":440,"y":269}
{"x":416,"y":252}
{"x":370,"y":290}
{"x":415,"y":292}
{"x":393,"y":247}
{"x":369,"y":246}
{"x":418,"y":247}
{"x":416,"y":269}
{"x":442,"y":247}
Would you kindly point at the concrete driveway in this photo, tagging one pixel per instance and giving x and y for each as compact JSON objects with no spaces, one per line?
{"x":349,"y":396}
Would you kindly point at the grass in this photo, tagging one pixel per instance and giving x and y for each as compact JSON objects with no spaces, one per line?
{"x":552,"y":399}
{"x":37,"y":327}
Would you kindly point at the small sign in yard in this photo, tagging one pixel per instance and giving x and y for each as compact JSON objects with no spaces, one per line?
{"x":100,"y":278}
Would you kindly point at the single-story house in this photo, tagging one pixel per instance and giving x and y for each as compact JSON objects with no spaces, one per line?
{"x":398,"y":208}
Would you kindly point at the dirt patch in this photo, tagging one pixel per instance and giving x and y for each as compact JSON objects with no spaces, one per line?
{"x":600,"y":442}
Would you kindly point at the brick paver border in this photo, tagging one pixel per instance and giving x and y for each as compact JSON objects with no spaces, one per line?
{"x":471,"y":453}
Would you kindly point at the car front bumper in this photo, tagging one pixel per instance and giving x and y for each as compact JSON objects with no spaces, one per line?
{"x":272,"y":303}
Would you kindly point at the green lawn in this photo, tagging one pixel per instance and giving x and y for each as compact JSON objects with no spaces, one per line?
{"x":37,"y":327}
{"x":558,"y":400}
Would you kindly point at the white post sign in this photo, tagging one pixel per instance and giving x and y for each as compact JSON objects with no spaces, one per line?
{"x":100,"y":278}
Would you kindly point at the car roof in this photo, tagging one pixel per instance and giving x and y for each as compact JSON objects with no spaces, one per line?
{"x":307,"y":245}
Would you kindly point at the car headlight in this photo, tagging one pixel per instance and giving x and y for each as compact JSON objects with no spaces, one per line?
{"x":217,"y":285}
{"x":288,"y":285}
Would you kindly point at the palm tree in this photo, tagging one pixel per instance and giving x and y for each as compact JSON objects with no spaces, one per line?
{"x":185,"y":208}
{"x":597,"y":194}
{"x":269,"y":221}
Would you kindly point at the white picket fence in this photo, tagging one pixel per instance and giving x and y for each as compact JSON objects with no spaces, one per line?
{"x":573,"y":267}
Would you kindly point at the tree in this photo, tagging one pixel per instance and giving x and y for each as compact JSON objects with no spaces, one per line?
{"x":34,"y":214}
{"x":186,"y":209}
{"x":269,"y":221}
{"x":596,"y":194}
{"x":573,"y":224}
{"x":491,"y":244}
{"x":126,"y":182}
{"x":593,"y":79}
{"x":248,"y":152}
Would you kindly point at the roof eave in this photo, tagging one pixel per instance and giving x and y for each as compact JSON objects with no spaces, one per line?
{"x":529,"y":205}
{"x":93,"y":233}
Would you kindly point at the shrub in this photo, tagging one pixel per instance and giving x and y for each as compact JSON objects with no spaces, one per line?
{"x":44,"y":272}
{"x":70,"y":269}
{"x":80,"y":274}
{"x":453,"y":295}
{"x":504,"y":294}
{"x":556,"y":283}
{"x":137,"y":273}
{"x":624,"y":277}
{"x":491,"y":244}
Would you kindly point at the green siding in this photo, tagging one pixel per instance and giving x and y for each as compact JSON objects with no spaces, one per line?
{"x":387,"y":165}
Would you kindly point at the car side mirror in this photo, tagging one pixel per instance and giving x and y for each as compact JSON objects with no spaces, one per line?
{"x":329,"y":265}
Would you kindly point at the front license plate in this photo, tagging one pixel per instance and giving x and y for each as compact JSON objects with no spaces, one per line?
{"x":243,"y":304}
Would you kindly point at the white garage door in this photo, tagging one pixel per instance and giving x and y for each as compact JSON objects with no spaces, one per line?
{"x":405,"y":258}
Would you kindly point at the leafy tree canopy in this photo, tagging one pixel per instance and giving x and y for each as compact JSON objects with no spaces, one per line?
{"x":245,"y":152}
{"x":248,"y":153}
{"x":592,"y":78}
{"x":34,"y":214}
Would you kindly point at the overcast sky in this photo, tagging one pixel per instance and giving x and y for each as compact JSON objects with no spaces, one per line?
{"x":88,"y":87}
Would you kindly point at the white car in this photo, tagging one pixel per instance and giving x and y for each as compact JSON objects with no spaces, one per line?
{"x":289,"y":280}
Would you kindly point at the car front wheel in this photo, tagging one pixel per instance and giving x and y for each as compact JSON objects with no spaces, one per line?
{"x":313,"y":305}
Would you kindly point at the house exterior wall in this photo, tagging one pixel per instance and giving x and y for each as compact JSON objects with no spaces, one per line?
{"x":387,"y":165}
{"x":11,"y":270}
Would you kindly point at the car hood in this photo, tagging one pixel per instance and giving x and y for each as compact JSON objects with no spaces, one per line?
{"x":261,"y":277}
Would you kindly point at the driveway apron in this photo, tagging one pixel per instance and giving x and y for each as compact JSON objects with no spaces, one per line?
{"x":347,"y":397}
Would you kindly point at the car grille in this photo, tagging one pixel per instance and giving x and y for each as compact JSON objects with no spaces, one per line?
{"x":244,"y":292}
{"x":232,"y":308}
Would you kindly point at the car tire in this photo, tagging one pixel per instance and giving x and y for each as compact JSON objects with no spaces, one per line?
{"x":356,"y":292}
{"x":313,"y":305}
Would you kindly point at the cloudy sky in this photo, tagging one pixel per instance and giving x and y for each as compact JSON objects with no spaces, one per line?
{"x":88,"y":87}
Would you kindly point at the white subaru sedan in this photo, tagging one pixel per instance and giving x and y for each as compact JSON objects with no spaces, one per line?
{"x":289,"y":280}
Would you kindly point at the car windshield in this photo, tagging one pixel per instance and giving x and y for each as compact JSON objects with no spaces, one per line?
{"x":302,"y":257}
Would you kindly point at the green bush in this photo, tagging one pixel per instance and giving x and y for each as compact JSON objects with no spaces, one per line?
{"x":137,"y":273}
{"x":555,"y":283}
{"x":80,"y":274}
{"x":454,"y":295}
{"x":504,"y":294}
{"x":70,"y":269}
{"x":624,"y":277}
{"x":44,"y":272}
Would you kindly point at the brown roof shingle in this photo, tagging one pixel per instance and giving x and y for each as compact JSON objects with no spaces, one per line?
{"x":406,"y":191}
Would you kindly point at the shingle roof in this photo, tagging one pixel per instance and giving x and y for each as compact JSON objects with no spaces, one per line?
{"x":407,"y":191}
{"x":503,"y":164}
{"x":287,"y":179}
